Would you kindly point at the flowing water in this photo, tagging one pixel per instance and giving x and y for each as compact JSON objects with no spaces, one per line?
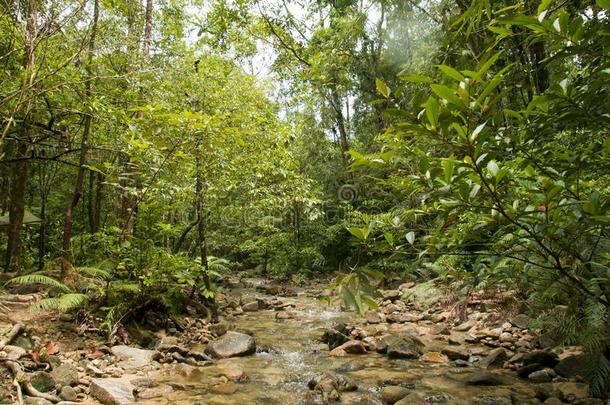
{"x":280,"y":374}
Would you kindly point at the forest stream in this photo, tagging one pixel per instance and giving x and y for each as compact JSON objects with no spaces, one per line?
{"x":289,"y":355}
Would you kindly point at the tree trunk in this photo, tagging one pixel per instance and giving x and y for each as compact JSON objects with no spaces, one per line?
{"x":19,"y":178}
{"x":66,"y":255}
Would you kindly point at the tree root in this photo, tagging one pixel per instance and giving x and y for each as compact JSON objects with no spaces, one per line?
{"x":21,"y":381}
{"x":11,"y":335}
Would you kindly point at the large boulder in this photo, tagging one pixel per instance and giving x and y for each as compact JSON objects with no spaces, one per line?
{"x":232,"y":344}
{"x":112,"y":391}
{"x":134,"y":357}
{"x":404,"y":346}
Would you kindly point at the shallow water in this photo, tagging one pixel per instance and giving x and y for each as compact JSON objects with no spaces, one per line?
{"x":281,"y":375}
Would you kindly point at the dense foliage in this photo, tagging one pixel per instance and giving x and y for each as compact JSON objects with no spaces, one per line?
{"x":149,"y":149}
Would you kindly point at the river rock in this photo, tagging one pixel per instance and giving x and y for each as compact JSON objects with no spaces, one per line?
{"x":571,"y":391}
{"x":352,"y":347}
{"x":337,"y":381}
{"x":463,"y":327}
{"x":112,"y":391}
{"x":542,"y":357}
{"x":456,"y":353}
{"x":391,"y":295}
{"x":541,"y":376}
{"x":403,"y":346}
{"x":232,"y":344}
{"x":521,"y":321}
{"x":393,"y":393}
{"x":484,"y":378}
{"x":42,"y":381}
{"x":492,"y":400}
{"x":334,"y":338}
{"x":573,"y":366}
{"x":134,"y":357}
{"x":495,"y":358}
{"x":250,"y":306}
{"x":68,"y":394}
{"x":372,"y":317}
{"x":351,"y":366}
{"x":434,"y":357}
{"x":65,"y":375}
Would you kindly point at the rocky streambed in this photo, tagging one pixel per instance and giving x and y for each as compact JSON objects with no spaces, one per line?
{"x":275,"y":345}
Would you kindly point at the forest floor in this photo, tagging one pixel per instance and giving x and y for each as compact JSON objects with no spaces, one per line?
{"x":279,"y":345}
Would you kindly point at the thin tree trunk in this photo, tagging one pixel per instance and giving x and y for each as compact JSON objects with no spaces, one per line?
{"x":66,"y":256}
{"x":17,"y":208}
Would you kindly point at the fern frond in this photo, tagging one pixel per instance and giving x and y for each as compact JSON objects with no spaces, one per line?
{"x":39,"y":279}
{"x":95,"y":272}
{"x":63,"y":303}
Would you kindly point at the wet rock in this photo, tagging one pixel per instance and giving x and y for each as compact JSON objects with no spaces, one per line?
{"x":573,"y":366}
{"x":42,"y":381}
{"x":403,"y":346}
{"x":65,"y":375}
{"x":133,"y":356}
{"x":112,"y":391}
{"x":391,"y":295}
{"x":364,"y":399}
{"x":334,"y":338}
{"x":492,"y":400}
{"x":250,"y":306}
{"x":337,"y":381}
{"x":283,"y":315}
{"x":484,"y":378}
{"x":521,"y":321}
{"x":571,"y":391}
{"x":224,"y":389}
{"x":219,"y":329}
{"x":172,"y":348}
{"x":68,"y":394}
{"x":434,"y":357}
{"x":456,"y":353}
{"x":393,"y":393}
{"x":337,"y":352}
{"x":14,"y":352}
{"x":372,"y":317}
{"x":553,"y":401}
{"x":233,"y":373}
{"x":351,"y":366}
{"x":543,"y":357}
{"x":375,"y":344}
{"x":465,"y":326}
{"x":541,"y":376}
{"x":232,"y":344}
{"x":494,"y":359}
{"x":352,"y":347}
{"x":525,"y":371}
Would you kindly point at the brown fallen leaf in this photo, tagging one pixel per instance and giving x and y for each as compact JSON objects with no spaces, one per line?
{"x":95,"y":355}
{"x":34,"y":356}
{"x":52,"y":348}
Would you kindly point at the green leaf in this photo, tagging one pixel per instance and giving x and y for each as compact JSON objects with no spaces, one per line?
{"x":603,"y":4}
{"x":451,"y":72}
{"x":382,"y":88}
{"x":446,"y":93}
{"x":477,"y":131}
{"x":493,"y":168}
{"x":389,"y":238}
{"x":432,"y":111}
{"x":410,"y":237}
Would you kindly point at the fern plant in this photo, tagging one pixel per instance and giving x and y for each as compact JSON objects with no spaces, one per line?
{"x":64,"y":302}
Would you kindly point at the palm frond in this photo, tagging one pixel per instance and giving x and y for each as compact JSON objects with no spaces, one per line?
{"x":39,"y":279}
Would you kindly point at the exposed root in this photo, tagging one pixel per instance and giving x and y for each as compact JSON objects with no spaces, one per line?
{"x":11,"y":335}
{"x":21,"y":381}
